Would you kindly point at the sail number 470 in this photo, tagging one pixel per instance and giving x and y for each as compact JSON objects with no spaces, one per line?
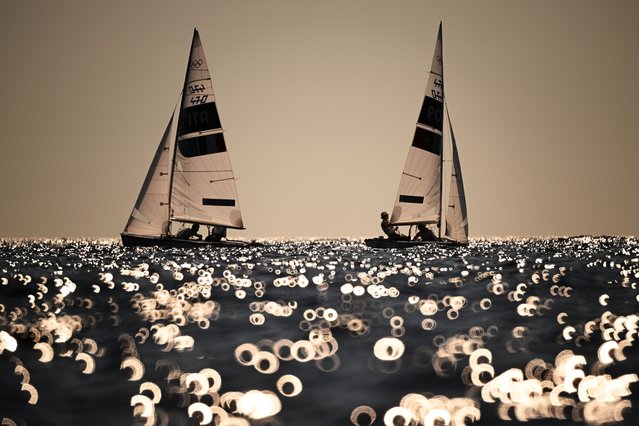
{"x":437,"y":94}
{"x":199,"y":99}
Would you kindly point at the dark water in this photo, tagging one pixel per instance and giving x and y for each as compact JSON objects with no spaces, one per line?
{"x":556,"y":315}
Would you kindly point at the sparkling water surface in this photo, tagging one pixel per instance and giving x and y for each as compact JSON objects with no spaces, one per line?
{"x":322,"y":332}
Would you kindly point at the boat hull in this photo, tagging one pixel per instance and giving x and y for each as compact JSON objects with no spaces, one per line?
{"x":387,"y":243}
{"x":130,"y":240}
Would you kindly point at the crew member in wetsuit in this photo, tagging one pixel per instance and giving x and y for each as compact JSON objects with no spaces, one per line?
{"x":189,"y":233}
{"x":219,"y":232}
{"x":424,"y":233}
{"x":390,"y":230}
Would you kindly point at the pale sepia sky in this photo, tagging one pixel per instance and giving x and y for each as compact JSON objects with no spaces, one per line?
{"x":319,"y":101}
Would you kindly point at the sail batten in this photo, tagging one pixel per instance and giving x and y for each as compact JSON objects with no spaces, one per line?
{"x":202,"y":133}
{"x":429,"y":128}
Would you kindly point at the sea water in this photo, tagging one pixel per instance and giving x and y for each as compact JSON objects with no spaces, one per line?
{"x":320,"y":332}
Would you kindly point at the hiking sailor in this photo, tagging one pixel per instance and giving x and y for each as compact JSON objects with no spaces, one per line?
{"x":390,"y":230}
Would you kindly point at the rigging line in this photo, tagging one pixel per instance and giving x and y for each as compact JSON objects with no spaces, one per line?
{"x":430,"y":191}
{"x":413,"y":176}
{"x":181,"y":172}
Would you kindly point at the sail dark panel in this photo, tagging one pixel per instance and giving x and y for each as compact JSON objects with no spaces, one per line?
{"x":218,"y":202}
{"x":199,"y":118}
{"x":411,"y":199}
{"x":432,"y":113}
{"x":428,"y":141}
{"x":202,"y":145}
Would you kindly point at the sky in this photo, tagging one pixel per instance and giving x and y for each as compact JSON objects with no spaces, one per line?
{"x":319,"y":101}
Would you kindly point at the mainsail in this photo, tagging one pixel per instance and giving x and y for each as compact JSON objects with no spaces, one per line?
{"x":456,"y":218}
{"x":151,"y":212}
{"x":203,"y":188}
{"x":419,"y":196}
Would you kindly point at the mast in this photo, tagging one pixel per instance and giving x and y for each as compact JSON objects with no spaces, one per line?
{"x":442,"y":219}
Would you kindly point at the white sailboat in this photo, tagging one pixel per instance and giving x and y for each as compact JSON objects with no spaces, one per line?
{"x":431,"y":189}
{"x":190,"y":180}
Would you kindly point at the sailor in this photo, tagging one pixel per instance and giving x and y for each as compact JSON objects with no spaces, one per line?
{"x":424,"y":233}
{"x":219,"y":232}
{"x":390,"y":230}
{"x":189,"y":233}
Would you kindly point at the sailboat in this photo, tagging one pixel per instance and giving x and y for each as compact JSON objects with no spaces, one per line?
{"x":190,"y":180}
{"x":431,"y":189}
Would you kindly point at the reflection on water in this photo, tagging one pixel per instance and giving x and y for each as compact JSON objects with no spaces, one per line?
{"x":320,"y":332}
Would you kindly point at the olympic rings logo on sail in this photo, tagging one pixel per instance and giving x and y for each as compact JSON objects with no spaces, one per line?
{"x":197,"y":63}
